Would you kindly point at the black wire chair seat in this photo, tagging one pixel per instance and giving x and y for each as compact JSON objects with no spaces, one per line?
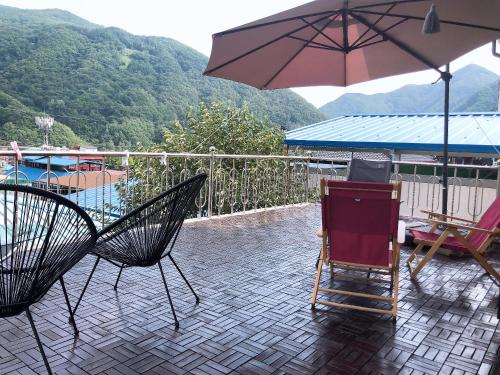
{"x":42,"y":236}
{"x":142,"y":237}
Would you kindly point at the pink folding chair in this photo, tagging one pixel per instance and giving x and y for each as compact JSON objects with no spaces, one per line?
{"x":360,"y":225}
{"x":475,"y":238}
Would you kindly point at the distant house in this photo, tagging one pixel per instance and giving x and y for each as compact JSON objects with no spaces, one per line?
{"x":92,"y":162}
{"x":57,"y":173}
{"x":63,"y":163}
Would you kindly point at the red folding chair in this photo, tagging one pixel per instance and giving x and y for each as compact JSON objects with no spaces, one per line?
{"x":459,"y":235}
{"x":360,"y":225}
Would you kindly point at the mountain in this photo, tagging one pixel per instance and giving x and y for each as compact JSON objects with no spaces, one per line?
{"x":42,"y":17}
{"x":472,"y":89}
{"x":17,"y":123}
{"x":95,"y":79}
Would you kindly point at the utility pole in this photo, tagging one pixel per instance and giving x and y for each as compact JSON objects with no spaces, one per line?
{"x":44,"y":123}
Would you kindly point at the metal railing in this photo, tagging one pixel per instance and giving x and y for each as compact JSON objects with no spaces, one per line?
{"x":240,"y":183}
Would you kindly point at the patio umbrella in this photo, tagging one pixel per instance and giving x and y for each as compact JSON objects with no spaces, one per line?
{"x":340,"y":43}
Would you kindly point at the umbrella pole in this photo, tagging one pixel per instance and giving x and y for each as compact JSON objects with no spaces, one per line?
{"x":446,"y":76}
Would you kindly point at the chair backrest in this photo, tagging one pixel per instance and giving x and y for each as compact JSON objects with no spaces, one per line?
{"x":370,"y":170}
{"x":360,"y":219}
{"x":141,"y":237}
{"x":490,"y":221}
{"x":42,"y":235}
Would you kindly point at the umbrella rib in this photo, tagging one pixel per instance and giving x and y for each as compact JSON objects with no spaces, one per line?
{"x":321,"y":31}
{"x":398,"y":43}
{"x":366,"y":43}
{"x":313,"y":44}
{"x":375,"y":24}
{"x":453,"y":23}
{"x":298,"y":52}
{"x":386,"y":3}
{"x":250,"y":27}
{"x":263,"y":45}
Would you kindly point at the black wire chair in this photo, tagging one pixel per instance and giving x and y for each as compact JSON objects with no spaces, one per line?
{"x":42,"y":235}
{"x":141,"y":238}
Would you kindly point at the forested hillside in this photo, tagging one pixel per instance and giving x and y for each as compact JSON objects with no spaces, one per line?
{"x":111,"y":87}
{"x":472,"y":89}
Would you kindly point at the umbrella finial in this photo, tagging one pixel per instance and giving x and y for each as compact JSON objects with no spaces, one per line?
{"x":431,"y":23}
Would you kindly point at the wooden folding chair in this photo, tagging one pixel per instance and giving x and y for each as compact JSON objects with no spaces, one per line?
{"x":360,"y":225}
{"x":479,"y":236}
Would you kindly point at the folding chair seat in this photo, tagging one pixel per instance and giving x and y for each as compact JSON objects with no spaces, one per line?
{"x":459,"y":235}
{"x":361,"y":170}
{"x":360,"y":227}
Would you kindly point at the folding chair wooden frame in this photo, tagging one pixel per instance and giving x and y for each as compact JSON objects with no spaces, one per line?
{"x":451,"y":230}
{"x":392,"y":271}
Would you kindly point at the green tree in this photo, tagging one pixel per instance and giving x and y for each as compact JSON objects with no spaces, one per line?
{"x":229,"y":129}
{"x":132,"y":133}
{"x":24,"y":135}
{"x":61,"y":135}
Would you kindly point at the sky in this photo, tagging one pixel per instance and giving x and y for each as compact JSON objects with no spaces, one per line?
{"x":193,"y":22}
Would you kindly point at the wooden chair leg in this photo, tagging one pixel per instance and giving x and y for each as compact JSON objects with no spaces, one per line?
{"x":395,"y":295}
{"x":477,"y":254}
{"x":435,"y":247}
{"x":484,"y":263}
{"x":395,"y":289}
{"x":413,"y":255}
{"x":316,"y":284}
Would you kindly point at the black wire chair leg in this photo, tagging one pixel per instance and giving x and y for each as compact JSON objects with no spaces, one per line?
{"x":42,"y":352}
{"x":168,"y":295}
{"x":118,"y":278}
{"x":184,"y":278}
{"x":71,"y":317}
{"x":86,"y":285}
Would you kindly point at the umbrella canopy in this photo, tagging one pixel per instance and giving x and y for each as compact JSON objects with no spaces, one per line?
{"x":340,"y":43}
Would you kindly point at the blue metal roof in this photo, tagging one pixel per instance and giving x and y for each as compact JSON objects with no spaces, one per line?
{"x":34,"y":174}
{"x":468,"y":132}
{"x":56,"y":161}
{"x":105,"y":197}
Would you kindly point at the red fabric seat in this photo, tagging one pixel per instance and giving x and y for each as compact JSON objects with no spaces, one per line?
{"x":361,"y":218}
{"x":451,"y":243}
{"x":490,"y":220}
{"x":360,"y":230}
{"x":476,"y":238}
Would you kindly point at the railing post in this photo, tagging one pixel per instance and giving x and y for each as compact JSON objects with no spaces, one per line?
{"x":396,"y":157}
{"x":211,"y":179}
{"x":309,"y":153}
{"x":286,"y":179}
{"x":16,"y":170}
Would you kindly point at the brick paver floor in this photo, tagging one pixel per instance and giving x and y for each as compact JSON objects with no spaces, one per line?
{"x":254,"y":275}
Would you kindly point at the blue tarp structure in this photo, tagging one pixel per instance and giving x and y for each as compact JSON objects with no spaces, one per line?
{"x":56,"y":161}
{"x":33,"y":174}
{"x":468,"y":133}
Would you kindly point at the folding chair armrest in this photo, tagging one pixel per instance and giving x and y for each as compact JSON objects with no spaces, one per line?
{"x":460,"y":226}
{"x":437,"y":214}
